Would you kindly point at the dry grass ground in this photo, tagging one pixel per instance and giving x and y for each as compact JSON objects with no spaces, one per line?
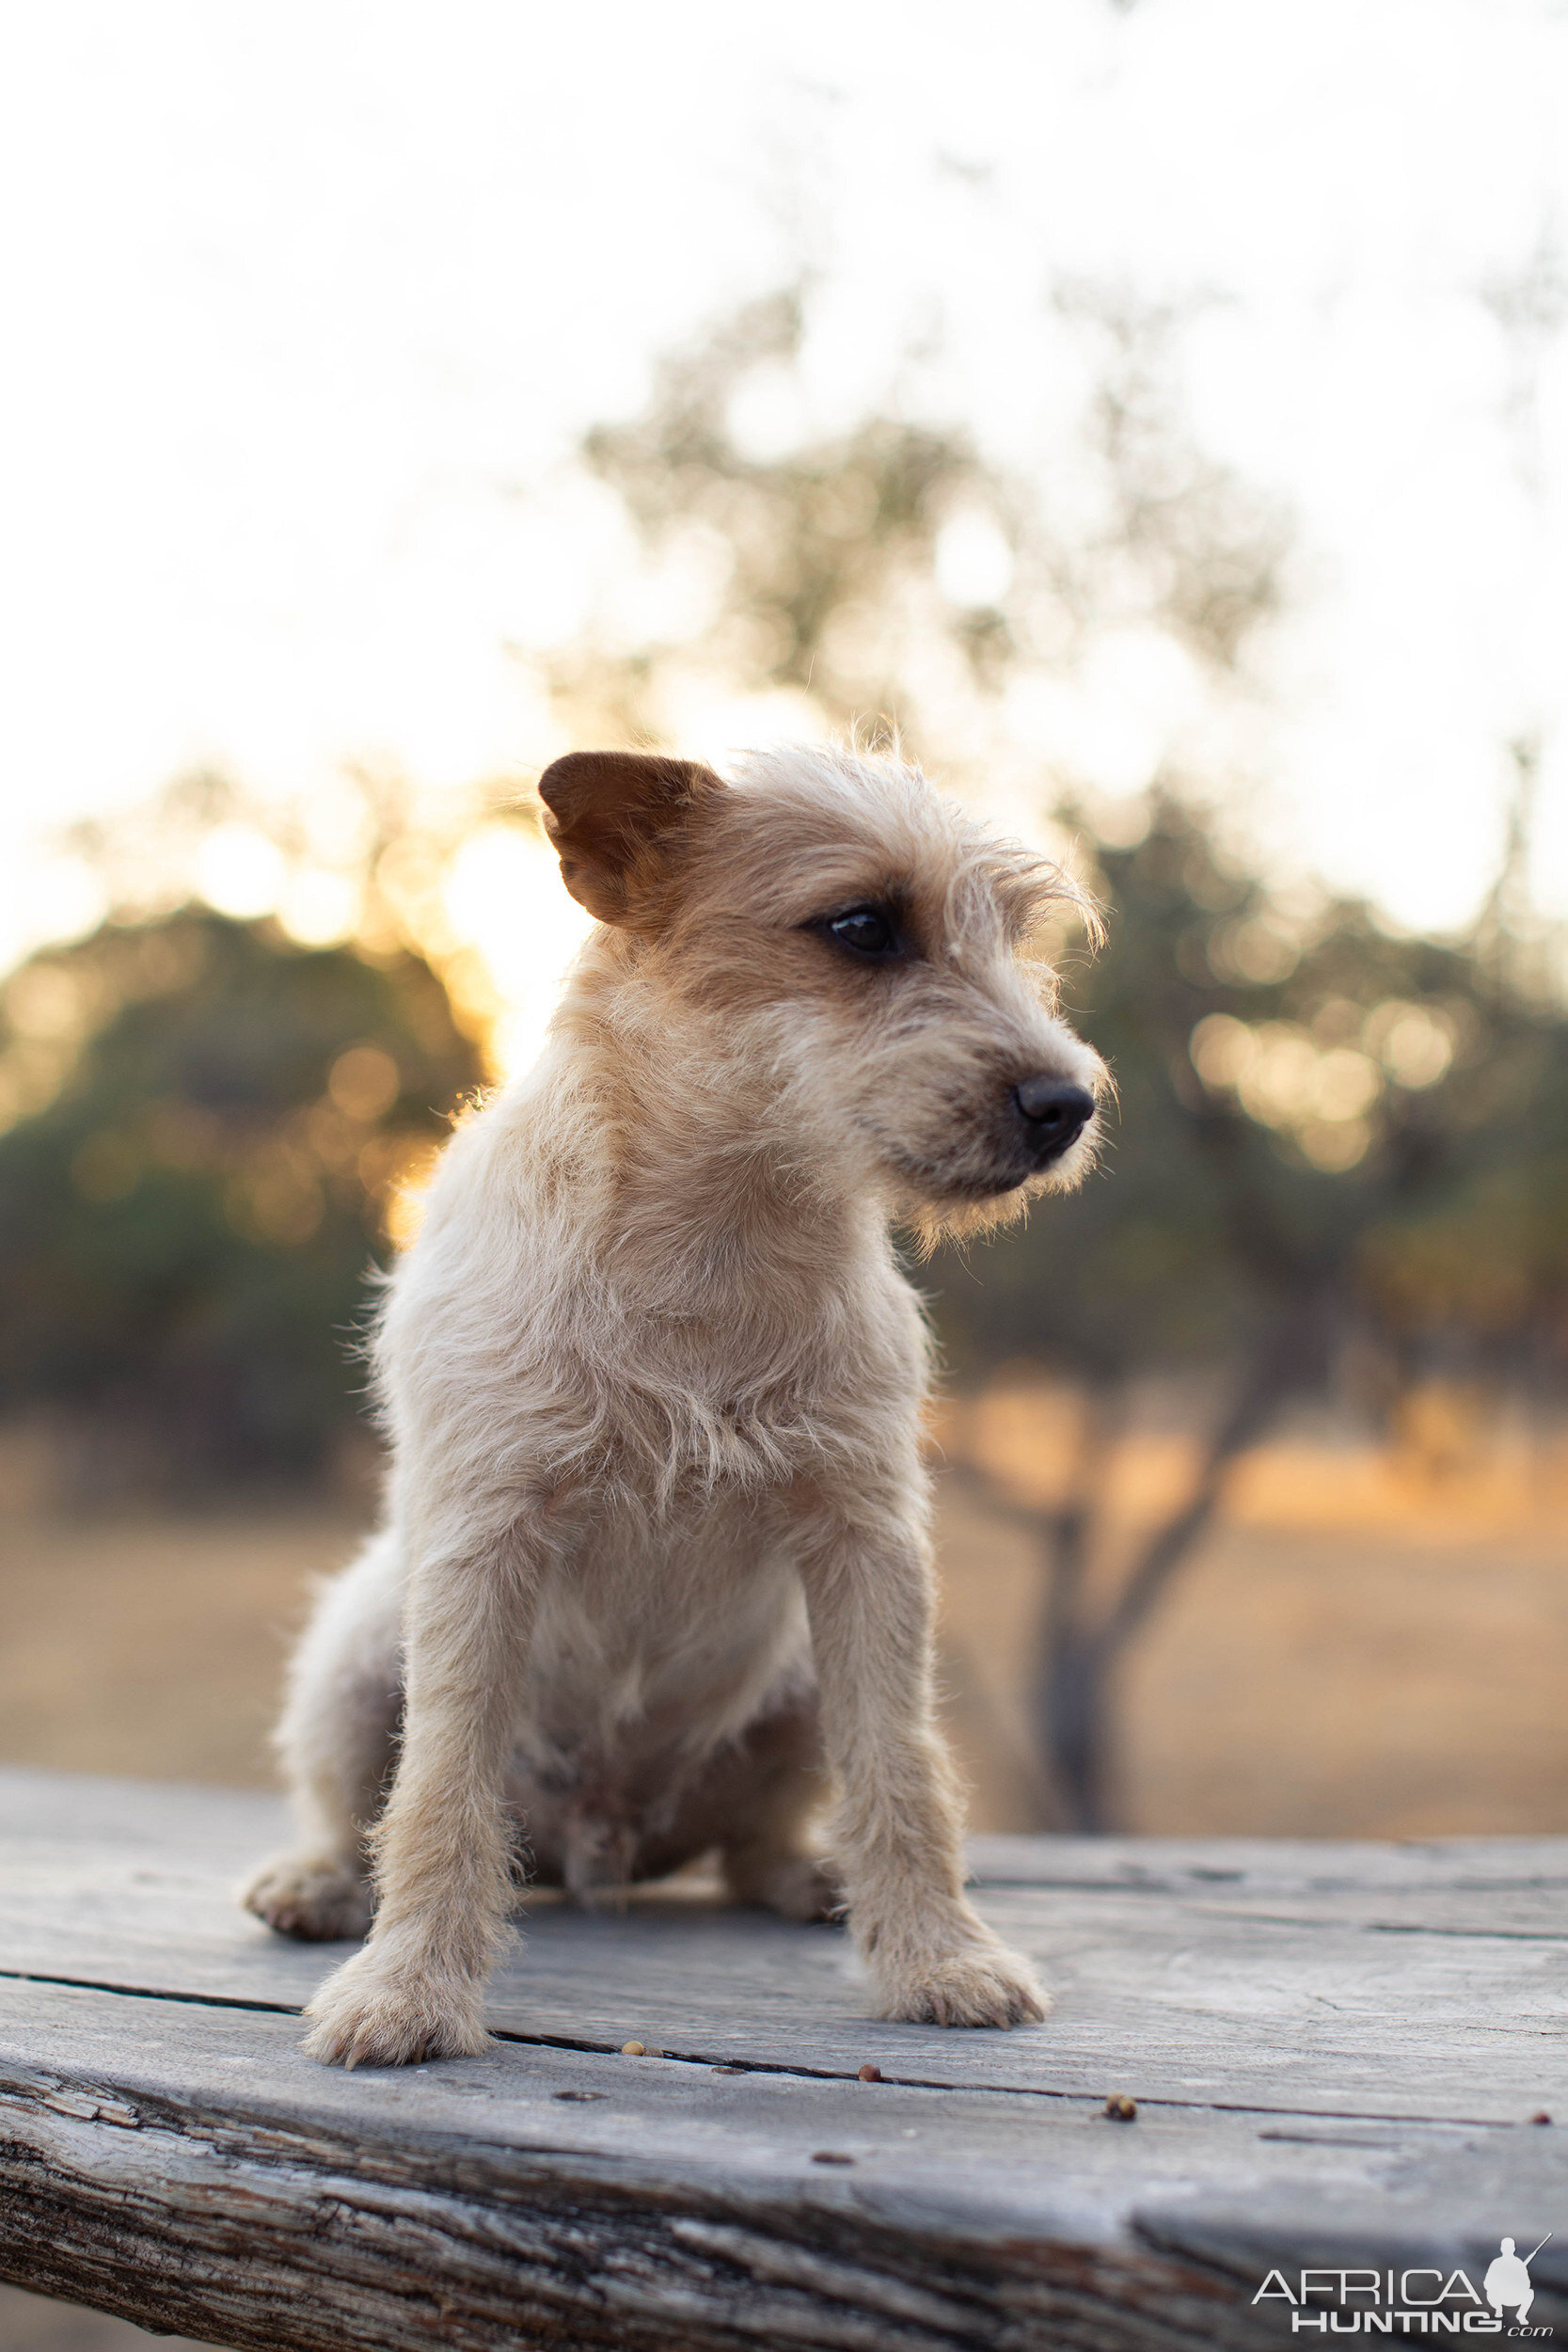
{"x":1370,"y":1641}
{"x":150,"y":1644}
{"x":1295,"y":1684}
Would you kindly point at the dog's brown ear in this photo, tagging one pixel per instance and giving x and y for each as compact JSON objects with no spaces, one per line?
{"x":620,"y":822}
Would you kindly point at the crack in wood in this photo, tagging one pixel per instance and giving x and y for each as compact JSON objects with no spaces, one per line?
{"x":796,"y":2072}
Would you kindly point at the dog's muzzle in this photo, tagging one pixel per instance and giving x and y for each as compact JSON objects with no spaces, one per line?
{"x":1052,"y":1113}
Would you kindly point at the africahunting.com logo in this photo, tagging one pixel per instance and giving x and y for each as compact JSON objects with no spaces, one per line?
{"x":1410,"y":2302}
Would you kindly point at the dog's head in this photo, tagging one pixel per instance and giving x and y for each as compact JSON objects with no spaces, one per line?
{"x":859,"y":951}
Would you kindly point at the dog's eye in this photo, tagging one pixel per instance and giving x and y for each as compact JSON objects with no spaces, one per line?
{"x":866,"y":930}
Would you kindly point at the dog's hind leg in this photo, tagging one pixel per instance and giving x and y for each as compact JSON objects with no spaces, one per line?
{"x":771,"y":1789}
{"x":337,"y":1740}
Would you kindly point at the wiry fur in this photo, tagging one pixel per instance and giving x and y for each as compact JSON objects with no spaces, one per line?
{"x":656,"y":1554}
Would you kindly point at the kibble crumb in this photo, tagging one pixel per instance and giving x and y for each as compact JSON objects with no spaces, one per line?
{"x":633,"y":2049}
{"x":1120,"y":2109}
{"x":830,"y":2156}
{"x":1541,"y":2116}
{"x":870,"y":2073}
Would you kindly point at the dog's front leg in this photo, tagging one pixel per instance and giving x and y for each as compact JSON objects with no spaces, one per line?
{"x":865,"y":1564}
{"x":442,"y":1847}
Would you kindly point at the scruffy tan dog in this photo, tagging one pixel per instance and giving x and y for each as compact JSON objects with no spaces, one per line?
{"x":656,"y":1558}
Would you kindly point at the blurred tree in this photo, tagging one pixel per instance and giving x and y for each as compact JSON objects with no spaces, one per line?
{"x":1330,"y":1142}
{"x":215,"y":1127}
{"x":368,"y":858}
{"x":888,"y":572}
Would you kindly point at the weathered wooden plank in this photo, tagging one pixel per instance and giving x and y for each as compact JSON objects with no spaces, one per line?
{"x":181,"y":2162}
{"x":187,"y":2167}
{"x":263,"y":2200}
{"x":1286,"y":1865}
{"x":1214,"y":1982}
{"x":1217,"y":1975}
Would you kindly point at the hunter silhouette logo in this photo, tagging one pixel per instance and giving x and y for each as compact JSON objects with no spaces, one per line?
{"x":1507,"y":2281}
{"x":1418,"y":2301}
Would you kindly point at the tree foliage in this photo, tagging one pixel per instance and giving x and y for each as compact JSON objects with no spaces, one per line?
{"x":189,"y":1213}
{"x":821,"y":564}
{"x":1310,"y":1105}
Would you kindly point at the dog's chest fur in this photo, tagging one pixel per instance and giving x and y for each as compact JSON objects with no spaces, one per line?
{"x":669,"y":1369}
{"x":644,"y":1346}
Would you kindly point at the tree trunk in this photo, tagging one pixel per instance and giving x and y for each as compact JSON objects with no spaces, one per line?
{"x":1073,"y":1708}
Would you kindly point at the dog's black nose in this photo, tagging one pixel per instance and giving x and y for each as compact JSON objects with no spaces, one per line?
{"x":1054,"y":1113}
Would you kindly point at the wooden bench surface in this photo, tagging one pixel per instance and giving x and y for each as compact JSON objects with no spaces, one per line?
{"x":1336,"y":2052}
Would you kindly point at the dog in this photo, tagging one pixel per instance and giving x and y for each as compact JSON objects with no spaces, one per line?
{"x":656,"y":1566}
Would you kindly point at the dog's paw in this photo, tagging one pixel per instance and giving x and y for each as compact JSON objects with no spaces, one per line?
{"x":806,"y":1890}
{"x":978,"y":1983}
{"x":377,"y":2012}
{"x":794,"y":1885}
{"x":314,"y":1896}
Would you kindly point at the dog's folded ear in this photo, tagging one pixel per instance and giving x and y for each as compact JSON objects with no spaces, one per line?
{"x":621,"y":822}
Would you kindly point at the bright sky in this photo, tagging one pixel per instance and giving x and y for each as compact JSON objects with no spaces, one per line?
{"x":304,"y":306}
